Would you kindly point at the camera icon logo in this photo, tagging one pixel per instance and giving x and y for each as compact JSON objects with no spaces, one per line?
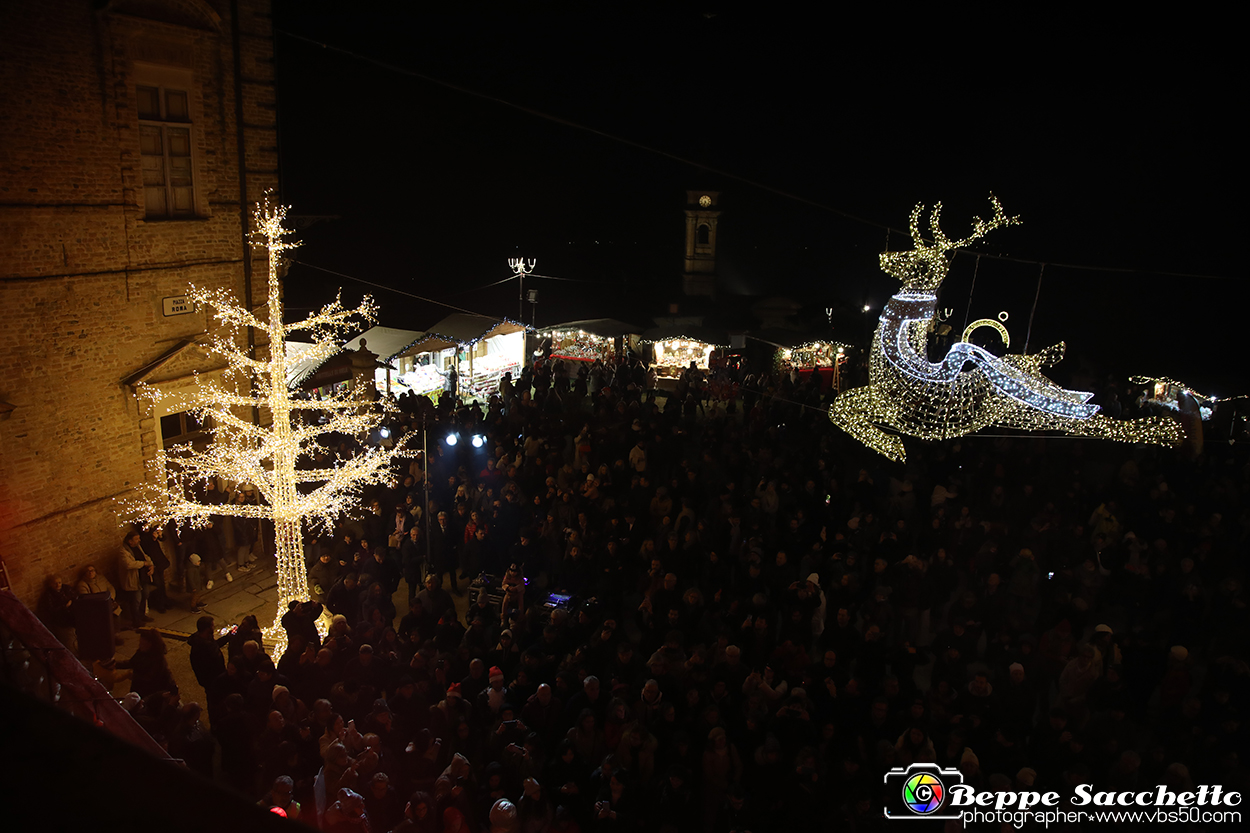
{"x":921,"y":791}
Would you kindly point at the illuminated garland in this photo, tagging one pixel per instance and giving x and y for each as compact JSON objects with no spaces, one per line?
{"x":266,"y":456}
{"x":460,"y":343}
{"x":940,"y":401}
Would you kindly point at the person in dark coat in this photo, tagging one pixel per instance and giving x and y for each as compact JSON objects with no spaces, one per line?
{"x":301,"y":620}
{"x":150,"y":542}
{"x":412,"y":560}
{"x":323,"y":575}
{"x":55,"y":611}
{"x":236,"y":731}
{"x":149,"y":670}
{"x":344,"y":598}
{"x":206,"y":659}
{"x":444,"y":551}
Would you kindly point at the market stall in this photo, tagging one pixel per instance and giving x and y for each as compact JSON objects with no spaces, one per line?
{"x":674,"y":351}
{"x":804,"y":355}
{"x":1163,"y":393}
{"x":478,"y":348}
{"x":589,"y":340}
{"x":826,"y":359}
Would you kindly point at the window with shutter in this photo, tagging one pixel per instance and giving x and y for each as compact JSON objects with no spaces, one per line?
{"x":165,"y":146}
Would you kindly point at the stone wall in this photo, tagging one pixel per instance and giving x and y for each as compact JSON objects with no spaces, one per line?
{"x":83,"y":273}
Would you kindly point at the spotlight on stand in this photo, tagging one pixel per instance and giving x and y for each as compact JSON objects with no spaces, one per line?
{"x":452,"y":439}
{"x":385,"y":432}
{"x":478,"y":441}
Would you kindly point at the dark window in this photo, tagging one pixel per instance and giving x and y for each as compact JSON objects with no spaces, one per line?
{"x":165,"y":145}
{"x":704,"y":232}
{"x":180,"y":428}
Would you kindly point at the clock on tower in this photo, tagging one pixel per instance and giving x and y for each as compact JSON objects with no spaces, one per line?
{"x":699,"y":277}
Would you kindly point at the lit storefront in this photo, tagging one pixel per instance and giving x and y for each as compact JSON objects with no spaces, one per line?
{"x":597,"y":339}
{"x":480,"y":349}
{"x":826,"y":359}
{"x":675,"y":351}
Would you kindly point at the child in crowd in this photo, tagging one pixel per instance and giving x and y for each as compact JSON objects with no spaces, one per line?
{"x":195,"y":582}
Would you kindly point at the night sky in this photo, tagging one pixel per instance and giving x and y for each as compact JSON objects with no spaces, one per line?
{"x":1116,"y":147}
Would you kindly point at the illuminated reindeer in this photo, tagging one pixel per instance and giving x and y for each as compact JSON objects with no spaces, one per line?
{"x":970,"y":388}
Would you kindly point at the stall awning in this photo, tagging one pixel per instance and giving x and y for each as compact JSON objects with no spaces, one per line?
{"x":459,"y":330}
{"x":387,"y":342}
{"x":337,"y":368}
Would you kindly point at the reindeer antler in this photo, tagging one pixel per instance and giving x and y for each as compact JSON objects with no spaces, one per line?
{"x":924,"y":268}
{"x":917,"y":238}
{"x":979,"y":227}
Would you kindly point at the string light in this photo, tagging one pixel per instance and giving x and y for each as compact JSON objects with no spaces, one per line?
{"x":1166,"y":393}
{"x":970,"y":388}
{"x":278,"y":458}
{"x":579,"y":345}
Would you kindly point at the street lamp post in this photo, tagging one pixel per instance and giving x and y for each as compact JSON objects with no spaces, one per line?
{"x":521,"y":267}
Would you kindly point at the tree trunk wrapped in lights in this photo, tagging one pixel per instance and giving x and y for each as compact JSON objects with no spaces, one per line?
{"x":277,"y":458}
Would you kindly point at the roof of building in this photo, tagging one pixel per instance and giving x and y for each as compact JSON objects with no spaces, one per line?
{"x":602,"y":327}
{"x":385,"y":341}
{"x":459,"y":329}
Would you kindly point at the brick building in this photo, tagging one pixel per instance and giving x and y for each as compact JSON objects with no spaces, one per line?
{"x":134,"y":138}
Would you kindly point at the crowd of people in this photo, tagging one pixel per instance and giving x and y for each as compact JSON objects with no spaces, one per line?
{"x":628,"y":612}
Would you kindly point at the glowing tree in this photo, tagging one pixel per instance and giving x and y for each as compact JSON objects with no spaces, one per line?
{"x":274,"y":453}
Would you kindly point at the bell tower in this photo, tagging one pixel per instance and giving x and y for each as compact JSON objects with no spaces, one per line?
{"x":699,"y":277}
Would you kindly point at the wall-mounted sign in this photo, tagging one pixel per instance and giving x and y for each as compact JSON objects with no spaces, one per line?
{"x":177,"y":305}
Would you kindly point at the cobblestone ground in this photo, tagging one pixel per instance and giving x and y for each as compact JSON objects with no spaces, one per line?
{"x":228,"y":602}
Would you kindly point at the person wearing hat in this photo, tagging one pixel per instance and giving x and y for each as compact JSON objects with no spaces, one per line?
{"x":638,"y":454}
{"x":449,"y":711}
{"x":534,"y":811}
{"x":492,"y":698}
{"x":347,"y":812}
{"x":1106,"y":651}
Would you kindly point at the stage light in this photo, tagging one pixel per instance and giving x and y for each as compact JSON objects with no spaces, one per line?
{"x":452,"y":439}
{"x":478,"y":441}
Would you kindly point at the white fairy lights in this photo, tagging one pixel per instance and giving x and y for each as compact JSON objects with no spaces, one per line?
{"x":970,"y":388}
{"x":277,"y":456}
